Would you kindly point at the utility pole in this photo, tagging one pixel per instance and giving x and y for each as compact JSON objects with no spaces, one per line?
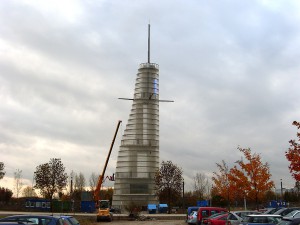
{"x":281,"y":194}
{"x":183,"y":205}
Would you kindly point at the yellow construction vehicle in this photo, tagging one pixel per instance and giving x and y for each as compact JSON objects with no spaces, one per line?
{"x":103,"y":206}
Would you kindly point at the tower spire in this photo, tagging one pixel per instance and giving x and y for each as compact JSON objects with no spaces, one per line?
{"x":149,"y":43}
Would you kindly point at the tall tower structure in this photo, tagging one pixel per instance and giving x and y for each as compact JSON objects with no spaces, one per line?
{"x":138,"y":157}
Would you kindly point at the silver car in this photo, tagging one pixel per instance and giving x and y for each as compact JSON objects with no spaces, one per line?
{"x":235,"y":217}
{"x":263,"y":219}
{"x":293,"y":214}
{"x":285,"y":211}
{"x":192,"y":218}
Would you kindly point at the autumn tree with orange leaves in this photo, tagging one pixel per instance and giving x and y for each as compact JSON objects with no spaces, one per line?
{"x":238,"y":183}
{"x":253,"y":175}
{"x":250,"y":178}
{"x":222,"y":182}
{"x":293,"y":155}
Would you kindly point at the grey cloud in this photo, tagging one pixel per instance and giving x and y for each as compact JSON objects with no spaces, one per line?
{"x":231,"y":68}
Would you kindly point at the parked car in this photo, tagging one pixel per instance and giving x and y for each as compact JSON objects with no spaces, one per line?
{"x":289,"y":221}
{"x":204,"y":212}
{"x":261,"y":219}
{"x":205,"y":220}
{"x":191,"y":209}
{"x":9,"y":223}
{"x":36,"y":220}
{"x":192,"y":218}
{"x":218,"y":220}
{"x":284,"y":211}
{"x":72,"y":220}
{"x":293,"y":214}
{"x":235,"y":217}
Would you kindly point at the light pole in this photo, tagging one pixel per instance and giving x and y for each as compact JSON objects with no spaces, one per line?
{"x":281,"y":195}
{"x":71,"y":185}
{"x":183,"y":206}
{"x":245,"y":201}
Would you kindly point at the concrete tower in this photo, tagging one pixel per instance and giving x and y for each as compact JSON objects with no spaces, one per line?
{"x":138,"y":156}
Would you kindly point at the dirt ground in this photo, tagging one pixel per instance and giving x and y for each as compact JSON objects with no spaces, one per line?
{"x":149,"y":222}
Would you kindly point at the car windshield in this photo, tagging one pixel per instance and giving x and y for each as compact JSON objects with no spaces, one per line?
{"x":287,"y":211}
{"x":271,"y":211}
{"x":278,"y":211}
{"x":104,"y":204}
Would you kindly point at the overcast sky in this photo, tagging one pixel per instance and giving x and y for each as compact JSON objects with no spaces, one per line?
{"x":231,"y":67}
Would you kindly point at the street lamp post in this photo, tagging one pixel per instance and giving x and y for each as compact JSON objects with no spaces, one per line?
{"x":245,"y":201}
{"x":183,"y":205}
{"x":281,"y":195}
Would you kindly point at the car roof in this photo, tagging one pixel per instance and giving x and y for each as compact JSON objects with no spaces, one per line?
{"x":37,"y":216}
{"x":264,"y":215}
{"x":212,"y":208}
{"x":280,"y":210}
{"x":285,"y":211}
{"x":8,"y":223}
{"x":244,"y":211}
{"x":295,"y":211}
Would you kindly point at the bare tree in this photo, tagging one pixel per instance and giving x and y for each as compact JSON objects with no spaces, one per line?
{"x":93,"y":181}
{"x":18,"y":184}
{"x":201,"y":186}
{"x":79,"y":182}
{"x":28,"y":191}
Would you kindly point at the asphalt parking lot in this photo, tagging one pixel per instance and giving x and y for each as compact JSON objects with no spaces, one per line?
{"x":148,"y":222}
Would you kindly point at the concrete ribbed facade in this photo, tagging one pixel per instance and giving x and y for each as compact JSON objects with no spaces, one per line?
{"x":138,"y":156}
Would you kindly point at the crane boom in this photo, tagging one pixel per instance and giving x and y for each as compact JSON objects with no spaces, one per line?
{"x":101,"y":177}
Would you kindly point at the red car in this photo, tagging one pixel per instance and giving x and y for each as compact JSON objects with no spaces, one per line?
{"x":205,"y":220}
{"x":218,"y":220}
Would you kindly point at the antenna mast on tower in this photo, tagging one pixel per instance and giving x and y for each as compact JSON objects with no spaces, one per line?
{"x":148,"y":66}
{"x":148,"y":43}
